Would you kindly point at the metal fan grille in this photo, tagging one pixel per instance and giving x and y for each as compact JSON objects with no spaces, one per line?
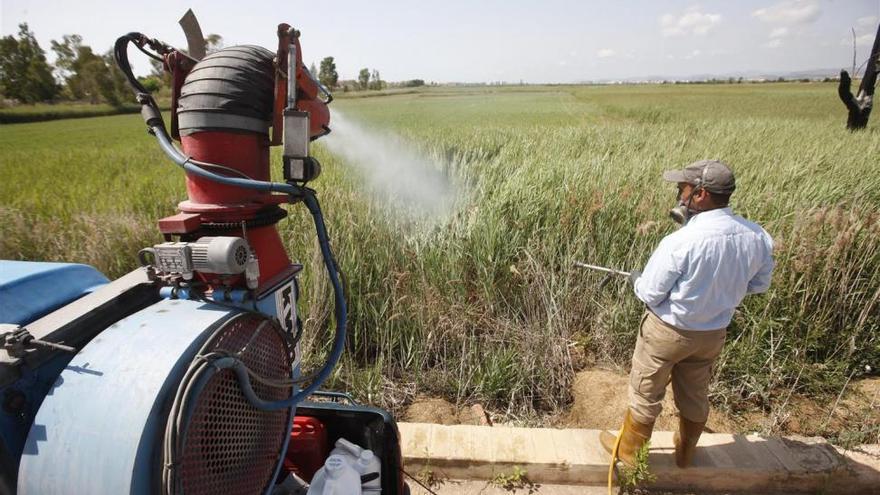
{"x":231,"y":447}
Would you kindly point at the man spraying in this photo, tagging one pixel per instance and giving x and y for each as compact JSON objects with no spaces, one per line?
{"x":691,"y":285}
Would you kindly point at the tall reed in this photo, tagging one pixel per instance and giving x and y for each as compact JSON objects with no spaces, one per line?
{"x":484,"y":302}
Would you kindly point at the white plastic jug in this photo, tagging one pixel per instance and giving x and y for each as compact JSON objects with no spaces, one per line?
{"x":365,"y":462}
{"x":371,"y":474}
{"x":337,"y":477}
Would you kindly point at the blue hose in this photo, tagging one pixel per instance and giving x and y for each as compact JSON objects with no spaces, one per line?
{"x":192,"y":166}
{"x":341,"y":311}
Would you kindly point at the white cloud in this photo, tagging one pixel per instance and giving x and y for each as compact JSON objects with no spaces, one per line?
{"x":691,"y":22}
{"x":865,"y":39}
{"x":867,"y":21}
{"x":605,"y":53}
{"x":792,"y":12}
{"x":864,"y":32}
{"x":774,"y":43}
{"x":862,"y":40}
{"x":695,"y":53}
{"x":780,"y":32}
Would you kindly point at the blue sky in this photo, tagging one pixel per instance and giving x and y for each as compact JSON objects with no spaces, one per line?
{"x":484,"y":41}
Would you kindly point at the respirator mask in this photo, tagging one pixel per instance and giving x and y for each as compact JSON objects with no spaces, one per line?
{"x":712,"y":176}
{"x":683,"y":212}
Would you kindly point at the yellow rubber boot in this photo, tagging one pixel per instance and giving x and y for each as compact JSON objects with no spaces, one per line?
{"x":685,"y":440}
{"x":632,"y":437}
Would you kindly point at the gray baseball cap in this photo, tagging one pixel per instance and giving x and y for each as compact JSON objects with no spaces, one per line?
{"x":714,"y":175}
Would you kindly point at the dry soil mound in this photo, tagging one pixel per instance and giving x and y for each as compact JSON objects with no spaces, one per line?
{"x":600,"y":401}
{"x":439,"y":411}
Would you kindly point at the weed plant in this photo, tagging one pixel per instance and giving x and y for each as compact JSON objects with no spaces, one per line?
{"x":633,"y":480}
{"x":484,"y":303}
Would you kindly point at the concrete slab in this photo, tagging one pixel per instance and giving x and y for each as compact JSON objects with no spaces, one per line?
{"x":462,"y":487}
{"x":723,"y":463}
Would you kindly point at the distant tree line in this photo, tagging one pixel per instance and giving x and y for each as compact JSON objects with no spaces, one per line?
{"x":79,"y":73}
{"x":329,"y":77}
{"x":367,"y":80}
{"x":370,"y":80}
{"x":24,"y":73}
{"x":740,"y":80}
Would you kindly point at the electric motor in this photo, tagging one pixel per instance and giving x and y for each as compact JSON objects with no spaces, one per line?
{"x":220,"y":255}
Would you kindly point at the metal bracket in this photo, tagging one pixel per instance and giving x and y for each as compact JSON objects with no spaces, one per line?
{"x":195,"y":40}
{"x":17,"y":340}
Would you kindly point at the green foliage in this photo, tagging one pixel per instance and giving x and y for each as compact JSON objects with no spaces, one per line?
{"x":483,"y":304}
{"x":157,"y":71}
{"x":151,"y":83}
{"x":87,"y":75}
{"x":24,"y":73}
{"x":328,"y":75}
{"x":364,"y":78}
{"x":368,"y":80}
{"x":633,"y":478}
{"x":213,"y":43}
{"x":865,"y":434}
{"x":426,"y":474}
{"x":116,"y":92}
{"x":516,"y":479}
{"x":376,"y":82}
{"x":73,"y":61}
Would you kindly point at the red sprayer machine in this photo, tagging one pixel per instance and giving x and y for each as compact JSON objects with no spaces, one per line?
{"x":184,"y":375}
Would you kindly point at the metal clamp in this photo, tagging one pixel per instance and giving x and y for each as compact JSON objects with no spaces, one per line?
{"x":335,"y":397}
{"x":17,"y":340}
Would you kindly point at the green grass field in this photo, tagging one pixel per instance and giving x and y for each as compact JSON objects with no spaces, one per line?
{"x":485,"y":305}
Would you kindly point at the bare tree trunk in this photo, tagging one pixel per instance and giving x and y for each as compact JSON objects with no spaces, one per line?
{"x":859,"y":107}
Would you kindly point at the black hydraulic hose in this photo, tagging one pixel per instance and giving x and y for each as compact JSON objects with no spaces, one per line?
{"x":149,"y":109}
{"x":120,"y":53}
{"x":241,"y":371}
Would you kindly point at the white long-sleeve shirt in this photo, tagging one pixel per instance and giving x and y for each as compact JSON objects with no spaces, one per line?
{"x":700,"y":273}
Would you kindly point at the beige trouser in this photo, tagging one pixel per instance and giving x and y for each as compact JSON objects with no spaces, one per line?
{"x":663,"y":350}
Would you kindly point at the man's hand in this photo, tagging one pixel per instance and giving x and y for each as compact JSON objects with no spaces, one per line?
{"x":634,"y":275}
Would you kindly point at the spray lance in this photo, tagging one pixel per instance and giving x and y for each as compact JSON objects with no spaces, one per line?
{"x":598,"y":268}
{"x":632,"y":276}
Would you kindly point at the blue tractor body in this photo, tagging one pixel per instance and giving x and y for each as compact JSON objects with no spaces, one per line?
{"x":30,"y":290}
{"x":92,"y":421}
